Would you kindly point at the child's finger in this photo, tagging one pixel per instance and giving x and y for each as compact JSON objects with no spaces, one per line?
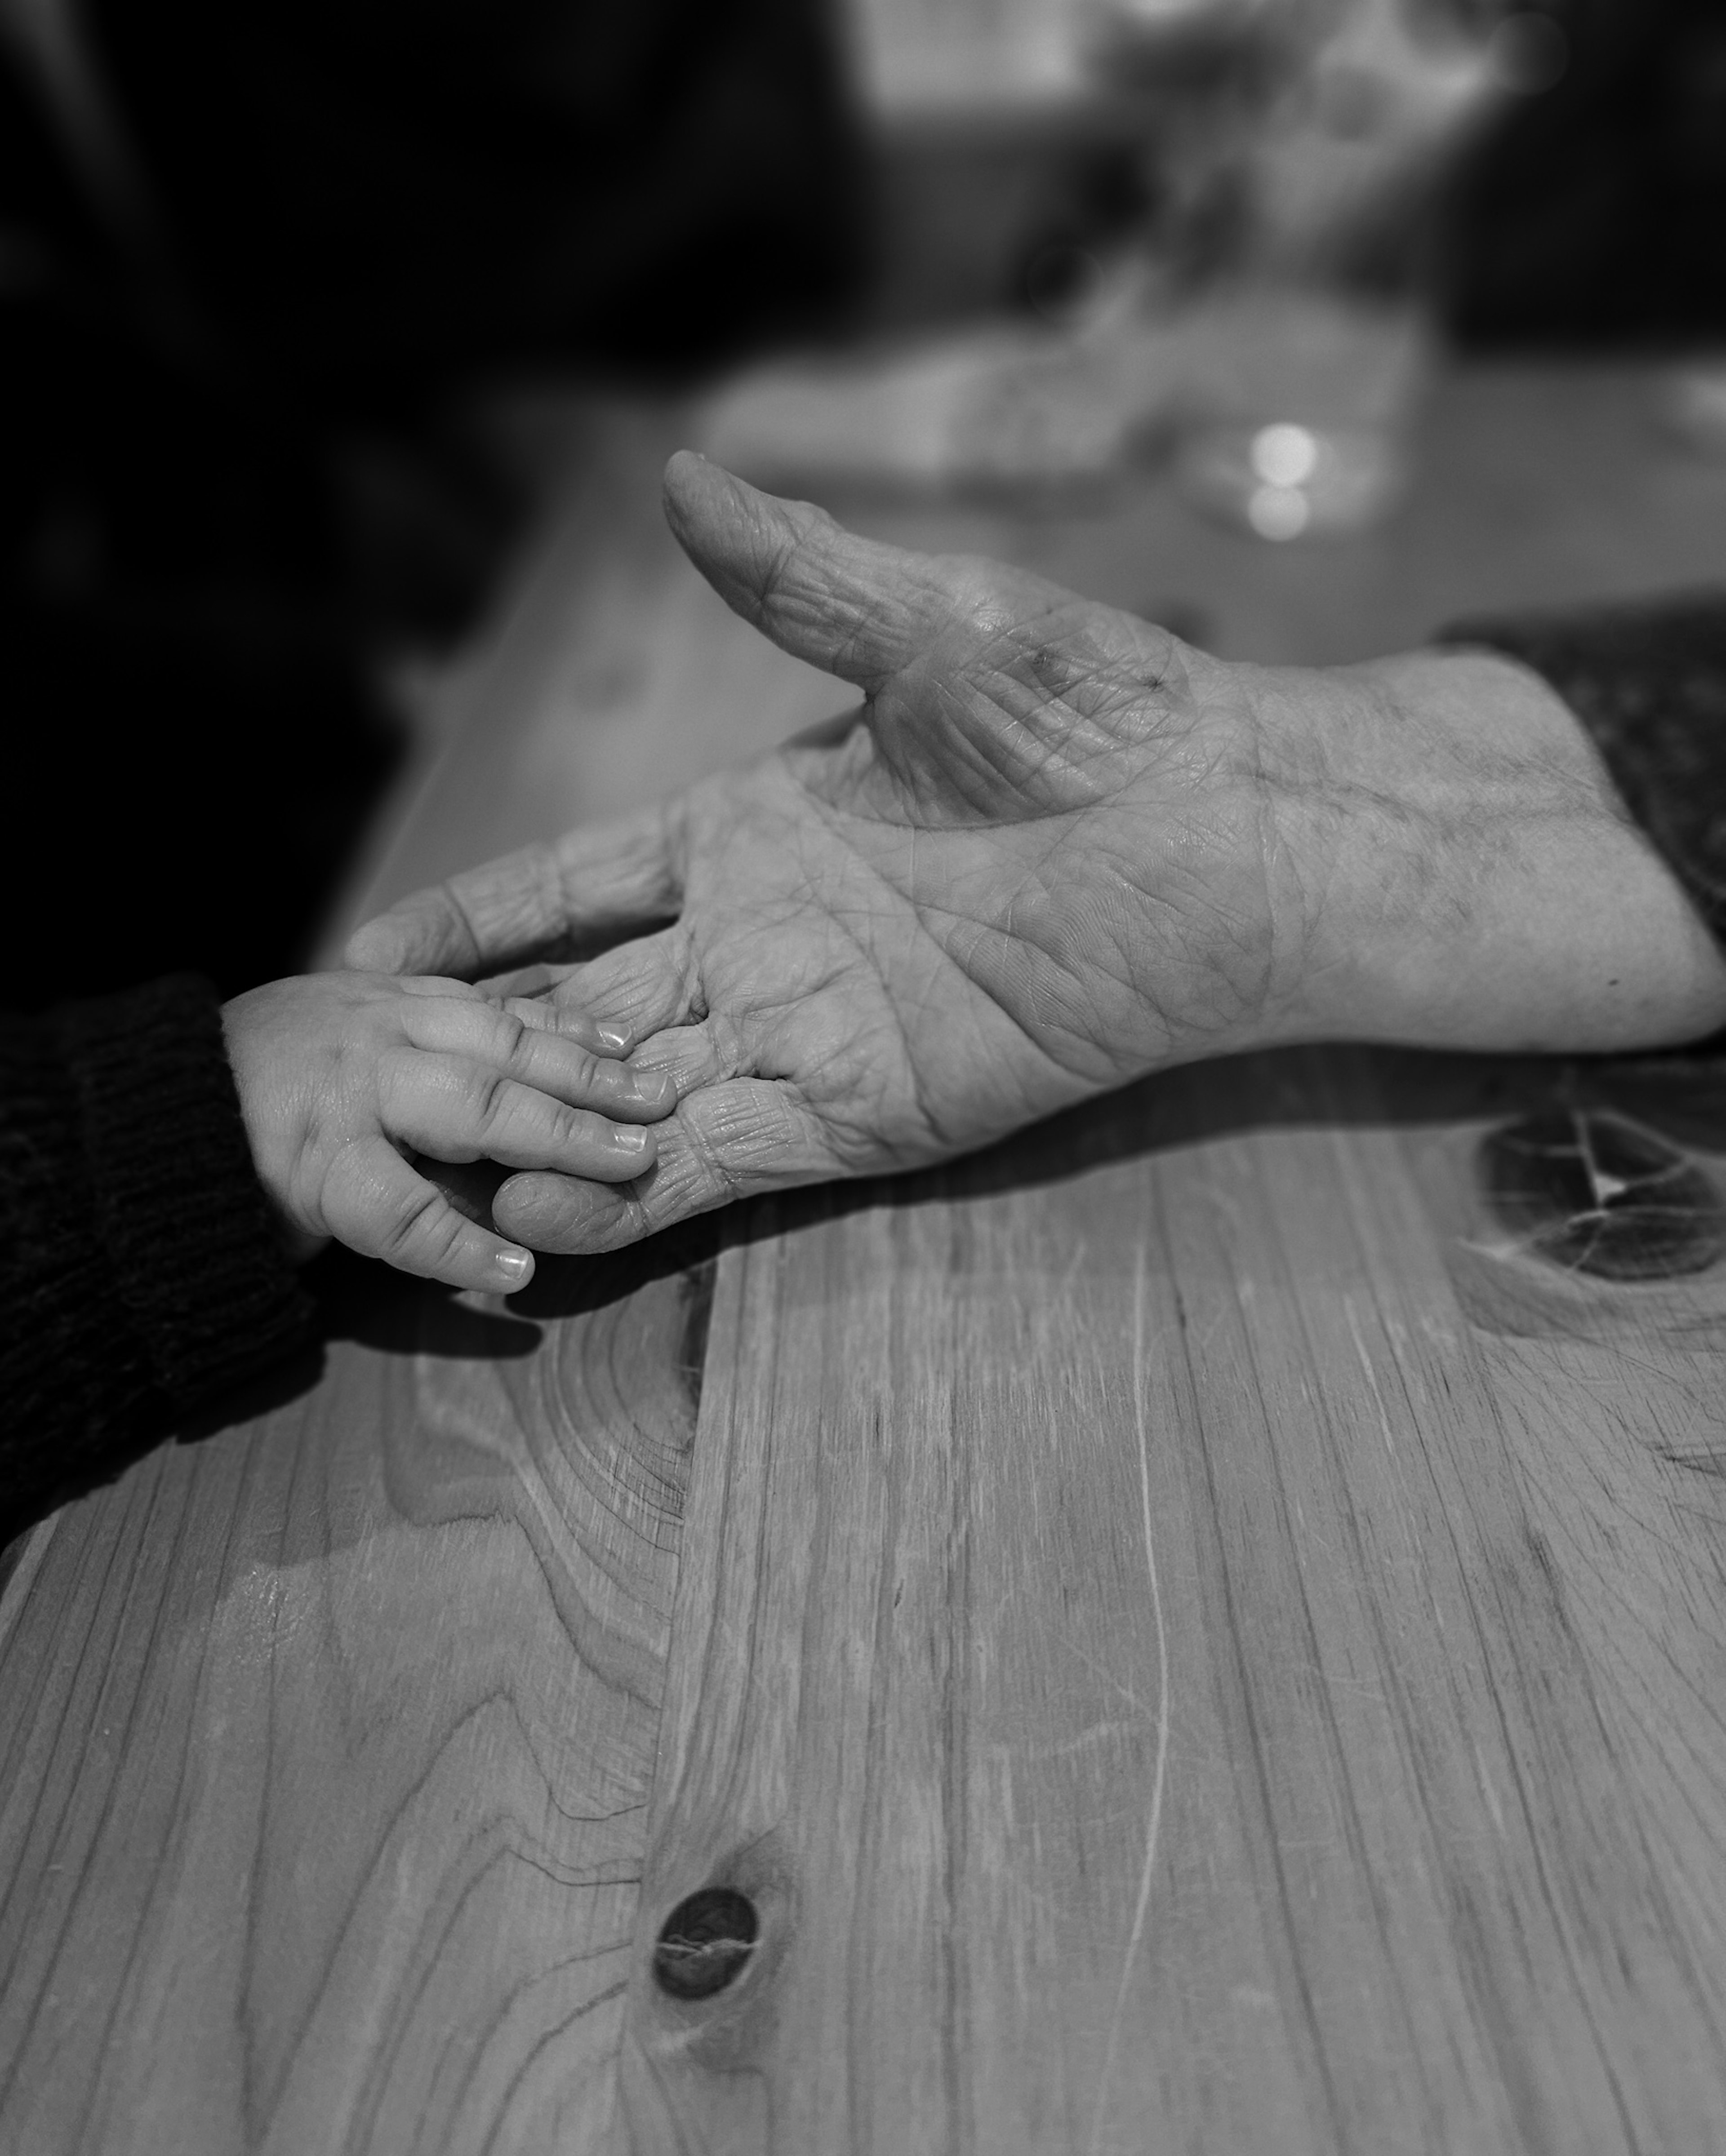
{"x":458,"y":1109}
{"x":552,"y":1059}
{"x":373,"y":1201}
{"x":532,"y":985}
{"x":552,"y":1063}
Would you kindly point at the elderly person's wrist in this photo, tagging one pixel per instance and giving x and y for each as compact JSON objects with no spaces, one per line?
{"x":1474,"y":879}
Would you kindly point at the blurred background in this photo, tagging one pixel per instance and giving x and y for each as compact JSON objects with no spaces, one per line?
{"x":278,"y":283}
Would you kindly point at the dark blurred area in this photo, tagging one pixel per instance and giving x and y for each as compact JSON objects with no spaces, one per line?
{"x":1595,"y":214}
{"x":258,"y":261}
{"x":255,"y":260}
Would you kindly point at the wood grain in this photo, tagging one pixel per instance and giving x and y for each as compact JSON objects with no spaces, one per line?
{"x":327,"y":1745}
{"x":1170,"y":1681}
{"x":1191,"y":1637}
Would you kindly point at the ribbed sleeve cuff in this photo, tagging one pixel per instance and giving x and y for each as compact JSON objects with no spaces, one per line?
{"x":205,"y":1284}
{"x":1649,"y":684}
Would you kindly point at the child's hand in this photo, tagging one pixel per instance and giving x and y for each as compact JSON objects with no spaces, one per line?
{"x":344,"y":1077}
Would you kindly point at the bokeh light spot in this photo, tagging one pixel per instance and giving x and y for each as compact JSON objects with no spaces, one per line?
{"x":1284,"y":455}
{"x":1278,"y":512}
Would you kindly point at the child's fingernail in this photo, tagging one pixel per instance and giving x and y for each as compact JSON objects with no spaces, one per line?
{"x":654,"y":1089}
{"x":626,"y":1139}
{"x":616,"y":1037}
{"x":515,"y":1265}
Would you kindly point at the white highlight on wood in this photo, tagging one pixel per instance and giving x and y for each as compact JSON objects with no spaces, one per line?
{"x":1153,"y":1824}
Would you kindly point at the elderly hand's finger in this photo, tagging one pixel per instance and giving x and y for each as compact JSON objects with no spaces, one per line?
{"x":634,"y":991}
{"x":554,"y":1060}
{"x":851,"y":606}
{"x":375,"y":1202}
{"x":456,"y":1110}
{"x":727,"y":1141}
{"x":597,"y":882}
{"x":686,"y":1056}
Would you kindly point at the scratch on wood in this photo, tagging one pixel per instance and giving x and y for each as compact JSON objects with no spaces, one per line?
{"x":1153,"y":1824}
{"x":1366,"y":1364}
{"x":1702,"y":1460}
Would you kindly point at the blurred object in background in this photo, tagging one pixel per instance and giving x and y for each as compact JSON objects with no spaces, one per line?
{"x":1239,"y":231}
{"x":1695,"y":402}
{"x":997,"y":406}
{"x":1302,"y":147}
{"x":1590,"y":209}
{"x":1304,"y":139}
{"x":1299,"y":402}
{"x":949,"y":58}
{"x":1259,"y":292}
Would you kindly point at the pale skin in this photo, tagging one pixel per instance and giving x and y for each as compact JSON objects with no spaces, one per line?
{"x":345,"y":1080}
{"x":1055,"y":849}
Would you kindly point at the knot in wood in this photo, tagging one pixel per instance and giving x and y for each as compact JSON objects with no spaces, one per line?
{"x":1597,"y":1193}
{"x":705,"y":1943}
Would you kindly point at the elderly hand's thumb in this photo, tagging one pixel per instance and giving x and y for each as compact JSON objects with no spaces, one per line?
{"x":850,"y":606}
{"x":427,"y":933}
{"x":385,"y":945}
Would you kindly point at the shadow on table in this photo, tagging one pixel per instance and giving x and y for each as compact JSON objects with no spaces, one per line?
{"x":358,"y":1299}
{"x":1311,"y":1087}
{"x":1308,"y":1087}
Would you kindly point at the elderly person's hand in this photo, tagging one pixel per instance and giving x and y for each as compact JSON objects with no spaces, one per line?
{"x":1055,"y":849}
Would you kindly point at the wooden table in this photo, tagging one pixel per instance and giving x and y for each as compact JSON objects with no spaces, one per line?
{"x":1190,"y":1632}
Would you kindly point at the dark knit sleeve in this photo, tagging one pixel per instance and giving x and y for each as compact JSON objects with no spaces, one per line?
{"x":1649,"y":684}
{"x":143,"y":1274}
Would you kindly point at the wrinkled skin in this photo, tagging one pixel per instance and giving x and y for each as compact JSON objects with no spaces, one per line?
{"x":1055,"y":849}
